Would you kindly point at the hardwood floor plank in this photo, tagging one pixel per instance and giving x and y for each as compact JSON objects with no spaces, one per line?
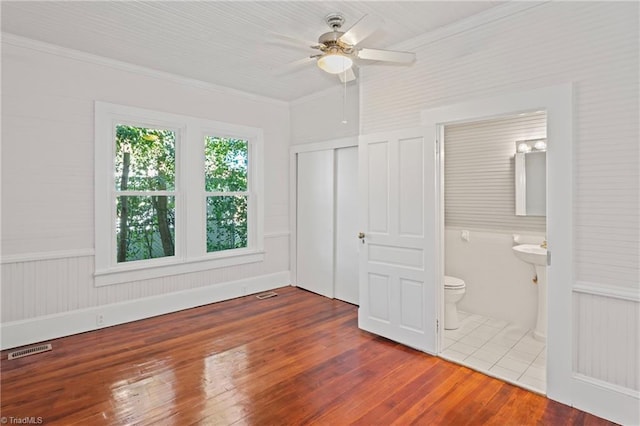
{"x":297,"y":358}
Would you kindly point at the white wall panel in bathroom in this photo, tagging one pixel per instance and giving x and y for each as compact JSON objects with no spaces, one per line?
{"x":479,"y":173}
{"x":595,"y":46}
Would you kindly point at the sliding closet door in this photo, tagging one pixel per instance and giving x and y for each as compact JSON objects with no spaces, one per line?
{"x":346,"y":225}
{"x":315,"y":230}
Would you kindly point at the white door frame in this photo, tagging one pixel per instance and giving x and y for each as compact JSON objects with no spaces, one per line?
{"x":293,"y":190}
{"x":557,"y":101}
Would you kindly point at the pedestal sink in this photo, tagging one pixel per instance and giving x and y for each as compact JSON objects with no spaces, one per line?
{"x":537,"y":256}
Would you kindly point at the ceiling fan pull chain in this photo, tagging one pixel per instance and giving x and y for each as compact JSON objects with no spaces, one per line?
{"x":344,"y":98}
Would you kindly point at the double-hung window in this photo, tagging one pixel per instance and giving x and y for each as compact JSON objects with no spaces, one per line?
{"x":174,"y":194}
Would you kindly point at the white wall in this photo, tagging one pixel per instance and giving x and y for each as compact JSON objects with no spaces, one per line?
{"x":595,"y":46}
{"x":318,"y":117}
{"x":48,"y":95}
{"x":498,"y":284}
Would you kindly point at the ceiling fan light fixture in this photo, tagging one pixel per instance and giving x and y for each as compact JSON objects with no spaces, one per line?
{"x":335,"y":63}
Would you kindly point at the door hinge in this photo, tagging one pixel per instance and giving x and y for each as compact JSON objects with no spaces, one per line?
{"x":437,"y":326}
{"x":437,"y":147}
{"x":548,"y":258}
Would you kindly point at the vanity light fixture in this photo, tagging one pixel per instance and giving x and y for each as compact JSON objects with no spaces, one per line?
{"x":531,"y":145}
{"x":540,"y":145}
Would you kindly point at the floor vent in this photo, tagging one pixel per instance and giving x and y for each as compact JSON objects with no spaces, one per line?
{"x":29,"y":351}
{"x":267,"y":295}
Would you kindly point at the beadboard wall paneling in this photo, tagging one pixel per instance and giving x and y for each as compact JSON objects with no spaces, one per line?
{"x":593,"y":45}
{"x":48,"y":175}
{"x":327,"y":115}
{"x":35,"y":288}
{"x":47,"y":141}
{"x":607,"y":339}
{"x":479,"y":173}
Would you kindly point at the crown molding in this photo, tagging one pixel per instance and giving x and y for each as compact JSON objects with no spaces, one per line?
{"x":52,"y":49}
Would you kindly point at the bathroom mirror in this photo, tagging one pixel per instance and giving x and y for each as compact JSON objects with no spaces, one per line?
{"x":531,"y":178}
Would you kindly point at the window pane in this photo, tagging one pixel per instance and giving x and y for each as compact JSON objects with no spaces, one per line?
{"x":145,"y":227}
{"x":145,"y":159}
{"x":226,"y":223}
{"x":225,"y":164}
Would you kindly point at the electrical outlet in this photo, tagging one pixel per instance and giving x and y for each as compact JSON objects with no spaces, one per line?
{"x":99,"y":320}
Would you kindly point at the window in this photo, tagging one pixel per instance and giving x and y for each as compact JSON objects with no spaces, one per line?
{"x":174,"y":194}
{"x":145,"y":166}
{"x":226,"y":192}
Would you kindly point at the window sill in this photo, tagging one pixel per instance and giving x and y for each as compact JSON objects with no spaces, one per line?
{"x":139,"y":272}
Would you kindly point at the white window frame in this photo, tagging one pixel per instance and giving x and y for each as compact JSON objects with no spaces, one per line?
{"x":190,"y":222}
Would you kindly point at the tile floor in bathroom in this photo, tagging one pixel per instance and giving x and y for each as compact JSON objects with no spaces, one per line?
{"x":499,"y":349}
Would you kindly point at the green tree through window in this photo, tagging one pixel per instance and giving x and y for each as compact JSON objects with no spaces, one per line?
{"x":145,"y":193}
{"x":227,"y":192}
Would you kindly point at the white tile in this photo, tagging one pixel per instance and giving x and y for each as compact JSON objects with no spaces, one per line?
{"x":468,"y":327}
{"x":496,"y":349}
{"x":463,"y":348}
{"x":454,"y":334}
{"x":478,"y":363}
{"x":513,"y":332}
{"x":534,"y":372}
{"x":477,"y":318}
{"x":504,"y":373}
{"x":529,"y":345}
{"x":496,"y":323}
{"x":503,"y":341}
{"x":487,"y":356}
{"x":536,"y":384}
{"x":446,"y":342}
{"x":473,"y":340}
{"x":485,"y":331}
{"x":514,"y":365}
{"x":540,"y":361}
{"x":525,"y":357}
{"x":453,"y":355}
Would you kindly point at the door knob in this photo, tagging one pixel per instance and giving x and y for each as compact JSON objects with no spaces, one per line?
{"x":361,"y":235}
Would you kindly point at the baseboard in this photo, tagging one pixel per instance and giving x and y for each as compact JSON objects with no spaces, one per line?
{"x":34,"y":330}
{"x":611,"y":402}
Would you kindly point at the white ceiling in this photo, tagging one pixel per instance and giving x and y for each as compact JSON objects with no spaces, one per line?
{"x":226,"y":43}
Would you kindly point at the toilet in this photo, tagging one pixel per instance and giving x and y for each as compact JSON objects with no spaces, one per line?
{"x":454,"y":289}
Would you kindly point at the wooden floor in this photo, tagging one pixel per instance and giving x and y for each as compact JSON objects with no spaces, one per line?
{"x":297,"y":358}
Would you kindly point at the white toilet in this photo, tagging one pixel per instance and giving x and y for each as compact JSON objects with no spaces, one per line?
{"x":454,"y":289}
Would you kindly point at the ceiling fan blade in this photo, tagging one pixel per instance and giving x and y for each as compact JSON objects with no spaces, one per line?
{"x":293,"y":66}
{"x":387,"y":55}
{"x":291,"y":41}
{"x":361,"y":30}
{"x":347,"y":76}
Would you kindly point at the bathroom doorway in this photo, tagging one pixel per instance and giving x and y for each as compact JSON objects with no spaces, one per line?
{"x":556,"y":102}
{"x":495,"y":299}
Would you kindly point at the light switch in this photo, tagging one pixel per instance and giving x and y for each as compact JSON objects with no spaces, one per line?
{"x":465,"y":235}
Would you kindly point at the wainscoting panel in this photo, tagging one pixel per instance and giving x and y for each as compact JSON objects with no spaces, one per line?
{"x":34,"y":288}
{"x":607,"y":333}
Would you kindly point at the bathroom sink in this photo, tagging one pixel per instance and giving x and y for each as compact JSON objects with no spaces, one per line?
{"x":531,"y":253}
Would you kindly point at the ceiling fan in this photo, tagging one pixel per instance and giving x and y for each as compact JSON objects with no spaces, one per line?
{"x":339,"y":51}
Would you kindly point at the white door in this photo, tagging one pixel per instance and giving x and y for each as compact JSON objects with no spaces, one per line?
{"x":397,"y":183}
{"x":346,"y":226}
{"x":315,"y":229}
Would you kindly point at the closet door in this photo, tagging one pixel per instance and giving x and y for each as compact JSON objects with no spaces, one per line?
{"x":315,"y":230}
{"x":346,"y":226}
